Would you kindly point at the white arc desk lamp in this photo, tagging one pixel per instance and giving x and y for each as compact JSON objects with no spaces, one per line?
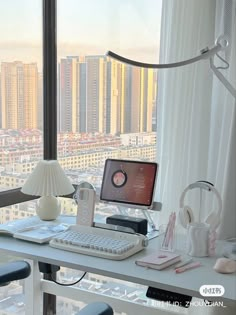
{"x":221,"y":43}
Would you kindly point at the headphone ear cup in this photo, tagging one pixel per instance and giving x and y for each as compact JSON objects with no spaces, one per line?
{"x":213,"y":220}
{"x":186,"y":216}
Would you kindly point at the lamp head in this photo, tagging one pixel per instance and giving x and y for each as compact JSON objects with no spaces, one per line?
{"x":48,"y":180}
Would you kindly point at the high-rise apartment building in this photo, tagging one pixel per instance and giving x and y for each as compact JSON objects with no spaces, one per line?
{"x":98,"y":94}
{"x":19,"y":95}
{"x":95,"y":93}
{"x":137,"y":99}
{"x":0,"y":103}
{"x":147,"y":99}
{"x":113,"y":97}
{"x":81,"y":94}
{"x":82,"y":97}
{"x":68,"y":88}
{"x":40,"y":102}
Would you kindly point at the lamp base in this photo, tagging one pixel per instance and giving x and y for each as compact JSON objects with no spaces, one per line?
{"x":48,"y":208}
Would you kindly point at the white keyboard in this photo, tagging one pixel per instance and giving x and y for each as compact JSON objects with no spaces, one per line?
{"x":99,"y":242}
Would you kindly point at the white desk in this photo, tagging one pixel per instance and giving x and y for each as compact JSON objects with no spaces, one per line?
{"x":186,"y":283}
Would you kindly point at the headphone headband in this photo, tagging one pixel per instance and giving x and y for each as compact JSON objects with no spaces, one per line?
{"x":203,"y":185}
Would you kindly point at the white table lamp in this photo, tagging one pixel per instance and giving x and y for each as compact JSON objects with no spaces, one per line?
{"x":48,"y":180}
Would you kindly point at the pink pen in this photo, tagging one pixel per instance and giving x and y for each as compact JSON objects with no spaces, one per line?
{"x":188,"y":267}
{"x":168,"y":238}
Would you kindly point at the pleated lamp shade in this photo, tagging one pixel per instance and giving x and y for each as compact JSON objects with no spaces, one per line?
{"x":48,"y":180}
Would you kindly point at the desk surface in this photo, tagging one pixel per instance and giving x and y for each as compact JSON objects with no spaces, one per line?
{"x":187,"y":283}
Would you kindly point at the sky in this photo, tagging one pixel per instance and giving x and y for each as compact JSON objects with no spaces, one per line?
{"x":128,"y":27}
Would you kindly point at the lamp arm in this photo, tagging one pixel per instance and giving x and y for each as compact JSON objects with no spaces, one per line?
{"x":205,"y":54}
{"x":223,"y":80}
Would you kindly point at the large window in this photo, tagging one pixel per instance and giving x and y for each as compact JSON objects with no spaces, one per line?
{"x":20,"y":90}
{"x":105,"y":108}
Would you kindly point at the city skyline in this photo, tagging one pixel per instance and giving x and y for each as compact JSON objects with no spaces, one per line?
{"x":105,"y":109}
{"x":95,"y":94}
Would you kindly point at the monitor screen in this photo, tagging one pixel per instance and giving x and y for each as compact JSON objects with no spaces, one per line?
{"x":129,"y":182}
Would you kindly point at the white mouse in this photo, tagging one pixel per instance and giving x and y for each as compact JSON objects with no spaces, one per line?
{"x":225,"y":265}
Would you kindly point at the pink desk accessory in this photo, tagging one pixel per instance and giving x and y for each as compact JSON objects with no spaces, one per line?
{"x":159,"y":260}
{"x":168,"y":240}
{"x":188,"y":267}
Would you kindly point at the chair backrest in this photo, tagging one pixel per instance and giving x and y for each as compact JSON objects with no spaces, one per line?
{"x":15,"y":270}
{"x":96,"y":308}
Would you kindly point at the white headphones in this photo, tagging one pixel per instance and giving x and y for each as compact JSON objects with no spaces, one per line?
{"x":186,"y":215}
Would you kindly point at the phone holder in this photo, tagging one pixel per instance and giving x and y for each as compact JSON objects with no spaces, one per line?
{"x":85,"y":197}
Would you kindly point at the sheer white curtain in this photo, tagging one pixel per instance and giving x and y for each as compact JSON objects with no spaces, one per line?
{"x":222,"y":150}
{"x":196,"y":114}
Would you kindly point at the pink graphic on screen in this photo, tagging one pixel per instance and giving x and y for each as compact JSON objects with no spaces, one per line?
{"x":129,"y":182}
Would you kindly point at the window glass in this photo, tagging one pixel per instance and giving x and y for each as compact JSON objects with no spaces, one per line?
{"x":20,"y":113}
{"x":20,"y":90}
{"x":106,"y":109}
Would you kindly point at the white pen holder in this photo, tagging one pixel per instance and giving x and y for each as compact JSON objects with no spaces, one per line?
{"x":200,"y":240}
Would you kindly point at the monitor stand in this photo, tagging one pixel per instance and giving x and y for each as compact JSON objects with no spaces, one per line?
{"x":152,"y":229}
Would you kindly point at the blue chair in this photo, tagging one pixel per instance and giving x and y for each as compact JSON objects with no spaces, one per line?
{"x":96,"y":308}
{"x":17,"y":270}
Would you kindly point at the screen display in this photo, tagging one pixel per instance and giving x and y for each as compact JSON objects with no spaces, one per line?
{"x":129,"y":182}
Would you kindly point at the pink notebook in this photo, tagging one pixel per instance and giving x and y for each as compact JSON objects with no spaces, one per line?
{"x":159,"y":260}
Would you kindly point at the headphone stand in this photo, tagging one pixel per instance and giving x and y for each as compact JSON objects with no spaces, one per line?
{"x":186,"y":214}
{"x":200,"y":209}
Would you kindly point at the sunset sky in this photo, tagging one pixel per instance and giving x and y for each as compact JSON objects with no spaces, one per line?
{"x":128,"y":27}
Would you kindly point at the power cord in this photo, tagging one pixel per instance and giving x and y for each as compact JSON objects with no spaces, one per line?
{"x":67,"y":284}
{"x":48,"y":269}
